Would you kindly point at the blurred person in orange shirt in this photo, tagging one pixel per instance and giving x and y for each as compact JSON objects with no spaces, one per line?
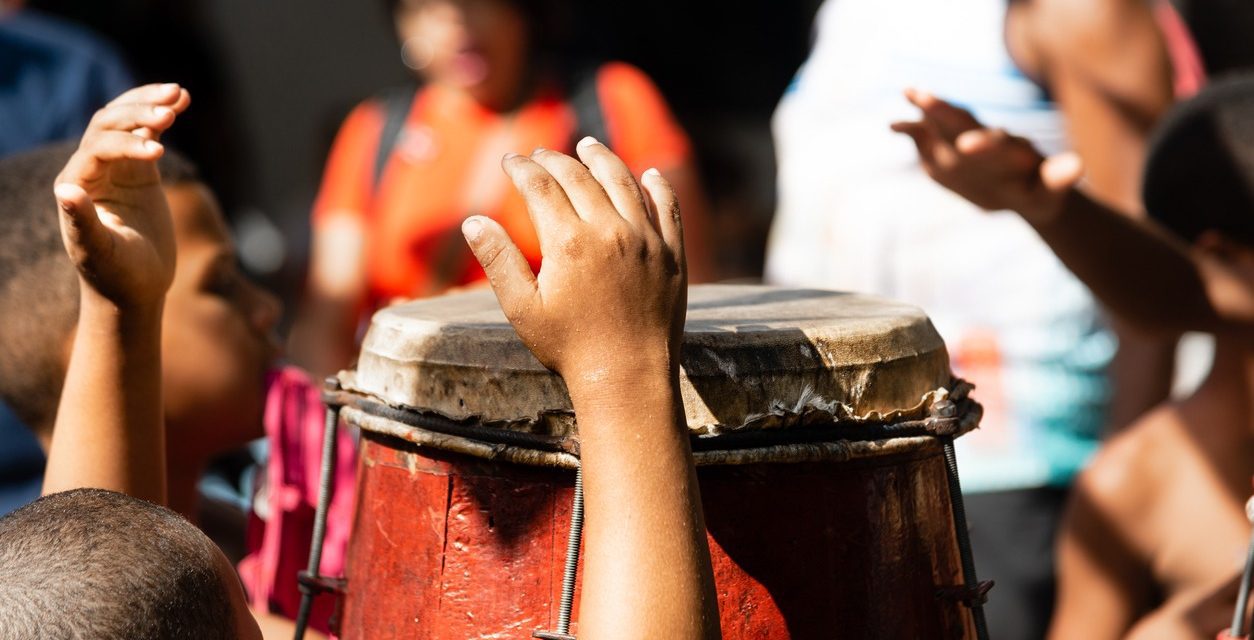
{"x":407,"y":167}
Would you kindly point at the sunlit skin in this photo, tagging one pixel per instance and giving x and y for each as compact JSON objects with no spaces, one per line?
{"x":173,"y":342}
{"x":218,"y":331}
{"x":610,"y":239}
{"x":1156,"y":532}
{"x":1107,"y":68}
{"x":218,"y":342}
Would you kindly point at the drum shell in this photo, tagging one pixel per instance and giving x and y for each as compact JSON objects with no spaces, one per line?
{"x":447,"y":546}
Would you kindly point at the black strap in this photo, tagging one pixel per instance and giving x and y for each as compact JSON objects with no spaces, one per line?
{"x":397,"y":103}
{"x":586,"y":102}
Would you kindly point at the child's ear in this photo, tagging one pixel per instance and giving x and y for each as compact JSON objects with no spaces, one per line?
{"x":1214,"y":243}
{"x":1225,"y":248}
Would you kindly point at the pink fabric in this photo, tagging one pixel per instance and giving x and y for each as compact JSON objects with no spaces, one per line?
{"x":281,"y":524}
{"x":1186,"y":60}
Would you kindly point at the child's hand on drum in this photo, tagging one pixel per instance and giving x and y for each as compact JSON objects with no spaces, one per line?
{"x":989,"y":167}
{"x":607,"y":313}
{"x":611,"y":293}
{"x":114,"y":217}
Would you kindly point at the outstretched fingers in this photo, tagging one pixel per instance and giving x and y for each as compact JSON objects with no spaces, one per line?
{"x":665,"y":210}
{"x":547,"y":205}
{"x":133,"y":116}
{"x":1061,"y":172}
{"x":920,"y":134}
{"x":97,"y":150}
{"x":935,"y":151}
{"x":950,"y":121}
{"x":169,"y":94}
{"x":507,"y":269}
{"x":616,"y":180}
{"x":584,"y":192}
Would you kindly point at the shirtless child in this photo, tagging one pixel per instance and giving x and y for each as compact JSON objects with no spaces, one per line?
{"x":1156,"y":530}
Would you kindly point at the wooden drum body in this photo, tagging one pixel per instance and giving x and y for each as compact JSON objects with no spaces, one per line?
{"x":817,"y":419}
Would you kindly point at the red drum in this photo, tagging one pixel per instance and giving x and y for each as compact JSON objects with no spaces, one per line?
{"x":819,"y":423}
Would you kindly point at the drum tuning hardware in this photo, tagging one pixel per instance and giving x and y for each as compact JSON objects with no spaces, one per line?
{"x":971,"y":584}
{"x":573,"y":542}
{"x":320,"y":584}
{"x":310,"y":581}
{"x":969,"y":596}
{"x":1238,"y":630}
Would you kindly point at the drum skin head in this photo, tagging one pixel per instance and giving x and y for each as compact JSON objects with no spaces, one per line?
{"x":754,"y":357}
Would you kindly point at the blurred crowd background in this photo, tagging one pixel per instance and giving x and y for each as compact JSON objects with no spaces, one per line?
{"x":274,"y":81}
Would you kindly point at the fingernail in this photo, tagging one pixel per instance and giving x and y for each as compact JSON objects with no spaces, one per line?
{"x":169,"y":86}
{"x":587,"y":141}
{"x":63,"y":196}
{"x":538,"y":150}
{"x":472,"y":227}
{"x":162,"y":111}
{"x":509,"y":156}
{"x":651,"y":172}
{"x":152,"y":145}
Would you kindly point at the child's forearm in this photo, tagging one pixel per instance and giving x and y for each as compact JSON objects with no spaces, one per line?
{"x":109,"y":431}
{"x":1143,"y":273}
{"x":647,"y":565}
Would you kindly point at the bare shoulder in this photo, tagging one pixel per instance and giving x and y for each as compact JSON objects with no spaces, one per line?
{"x":1125,"y":476}
{"x":1059,"y":21}
{"x":1089,"y":34}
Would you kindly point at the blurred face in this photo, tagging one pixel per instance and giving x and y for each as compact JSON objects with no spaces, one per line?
{"x":217,"y":335}
{"x":476,"y":46}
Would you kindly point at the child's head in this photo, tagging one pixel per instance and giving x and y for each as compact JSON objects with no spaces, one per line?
{"x":1199,"y":174}
{"x":216,"y":331}
{"x":91,"y":563}
{"x":477,"y":47}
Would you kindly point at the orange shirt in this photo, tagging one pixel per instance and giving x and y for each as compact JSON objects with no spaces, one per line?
{"x":446,"y":166}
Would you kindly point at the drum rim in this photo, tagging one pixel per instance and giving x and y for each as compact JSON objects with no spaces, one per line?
{"x":955,"y":414}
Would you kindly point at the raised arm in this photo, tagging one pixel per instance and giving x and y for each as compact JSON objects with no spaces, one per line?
{"x":606,"y":312}
{"x":116,"y":225}
{"x":1139,"y":271}
{"x":1107,"y":67}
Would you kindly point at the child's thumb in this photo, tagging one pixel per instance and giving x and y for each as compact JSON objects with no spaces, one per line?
{"x":505,"y":265}
{"x":82,"y":227}
{"x":1061,"y":172}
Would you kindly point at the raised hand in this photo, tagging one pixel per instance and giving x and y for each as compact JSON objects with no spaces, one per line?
{"x":115,"y":222}
{"x":114,"y":218}
{"x":612,"y":288}
{"x":989,"y":167}
{"x":607,"y":312}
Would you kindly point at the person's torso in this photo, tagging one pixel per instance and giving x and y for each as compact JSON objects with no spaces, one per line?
{"x":857,"y":212}
{"x":1198,"y":532}
{"x":444,"y":167}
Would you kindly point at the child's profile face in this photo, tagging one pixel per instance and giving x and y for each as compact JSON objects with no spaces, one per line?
{"x":218,"y":337}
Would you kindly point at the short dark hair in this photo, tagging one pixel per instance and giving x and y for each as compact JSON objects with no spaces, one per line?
{"x":38,"y":285}
{"x":91,"y":563}
{"x":1199,"y":173}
